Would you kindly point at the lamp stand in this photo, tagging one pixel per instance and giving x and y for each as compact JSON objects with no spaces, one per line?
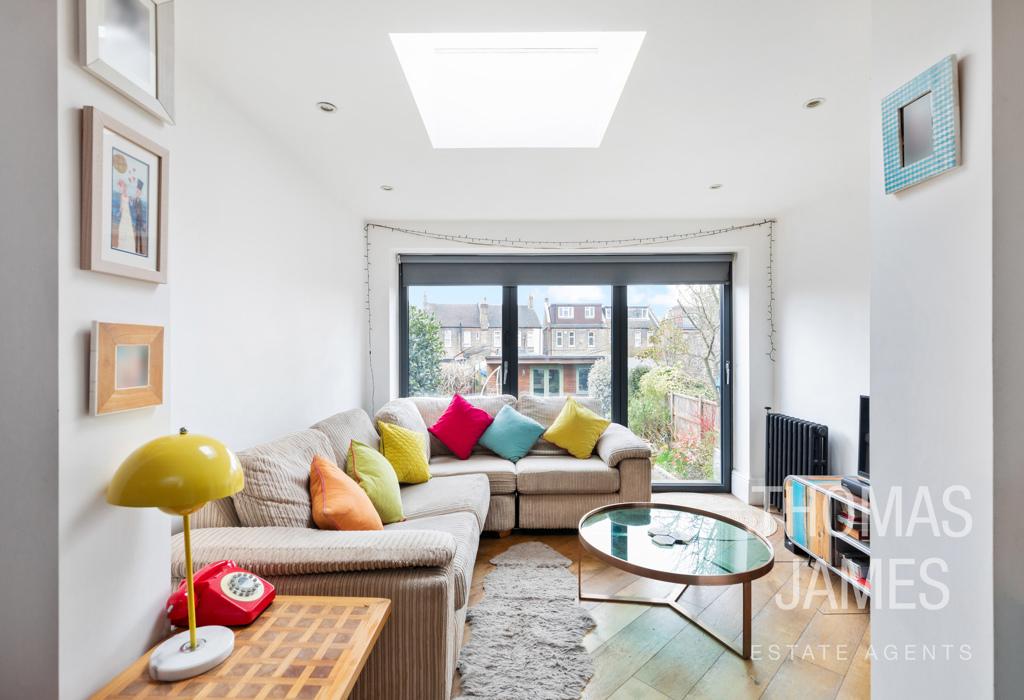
{"x":196,"y":651}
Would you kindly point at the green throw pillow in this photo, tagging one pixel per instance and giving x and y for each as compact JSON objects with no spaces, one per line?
{"x":377,"y":477}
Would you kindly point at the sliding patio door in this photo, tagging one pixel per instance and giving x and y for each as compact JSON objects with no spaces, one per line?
{"x":646,"y":338}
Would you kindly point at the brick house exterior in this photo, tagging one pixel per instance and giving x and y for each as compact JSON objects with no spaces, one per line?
{"x":556,"y":352}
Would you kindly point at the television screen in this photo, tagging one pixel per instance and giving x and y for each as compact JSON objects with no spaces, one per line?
{"x":863,"y":447}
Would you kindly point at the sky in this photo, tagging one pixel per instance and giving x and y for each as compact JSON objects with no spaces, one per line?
{"x":659,"y":296}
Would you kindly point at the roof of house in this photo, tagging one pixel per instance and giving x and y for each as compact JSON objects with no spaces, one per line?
{"x":678,"y":317}
{"x":468,"y":315}
{"x":579,"y":318}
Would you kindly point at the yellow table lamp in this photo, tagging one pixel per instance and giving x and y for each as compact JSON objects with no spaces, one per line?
{"x":179,"y":474}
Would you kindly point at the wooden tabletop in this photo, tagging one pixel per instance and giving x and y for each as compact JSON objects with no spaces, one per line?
{"x":300,"y":647}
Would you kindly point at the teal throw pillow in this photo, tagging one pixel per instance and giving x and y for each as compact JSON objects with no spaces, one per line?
{"x":511,"y":435}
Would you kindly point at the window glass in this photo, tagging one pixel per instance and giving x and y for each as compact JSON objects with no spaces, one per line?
{"x":582,"y":379}
{"x":674,"y":396}
{"x":454,"y":340}
{"x":565,"y":349}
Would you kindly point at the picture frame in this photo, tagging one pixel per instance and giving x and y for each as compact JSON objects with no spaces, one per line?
{"x":124,"y":200}
{"x":921,"y":127}
{"x":129,"y":45}
{"x":126,"y":367}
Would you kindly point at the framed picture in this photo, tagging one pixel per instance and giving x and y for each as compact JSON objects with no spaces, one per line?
{"x":124,"y":200}
{"x":129,"y":44}
{"x":921,"y":127}
{"x":127,"y":367}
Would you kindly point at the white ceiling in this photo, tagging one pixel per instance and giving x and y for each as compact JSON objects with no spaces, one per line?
{"x":715,"y":96}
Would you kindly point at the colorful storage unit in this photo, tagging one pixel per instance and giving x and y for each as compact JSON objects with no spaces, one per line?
{"x":830,"y":524}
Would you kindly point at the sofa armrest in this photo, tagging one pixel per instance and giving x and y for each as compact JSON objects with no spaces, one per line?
{"x":283,"y":551}
{"x":618,"y":443}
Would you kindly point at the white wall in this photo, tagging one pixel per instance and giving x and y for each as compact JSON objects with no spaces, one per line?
{"x":113,"y":561}
{"x":265,"y":334}
{"x":28,"y":349}
{"x":931,"y":355}
{"x":752,"y":370}
{"x":1008,"y":253}
{"x":823,"y":270}
{"x":268,"y":285}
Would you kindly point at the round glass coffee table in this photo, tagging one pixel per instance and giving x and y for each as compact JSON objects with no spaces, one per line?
{"x":681,"y":545}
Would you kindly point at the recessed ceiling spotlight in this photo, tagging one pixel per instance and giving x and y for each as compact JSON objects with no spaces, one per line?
{"x":328,"y":107}
{"x":716,"y":186}
{"x":387,"y":188}
{"x":814,"y":103}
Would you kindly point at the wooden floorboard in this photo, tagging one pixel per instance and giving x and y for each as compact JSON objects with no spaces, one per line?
{"x":811,"y":634}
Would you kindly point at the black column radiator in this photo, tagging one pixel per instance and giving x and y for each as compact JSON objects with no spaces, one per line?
{"x":792,"y":446}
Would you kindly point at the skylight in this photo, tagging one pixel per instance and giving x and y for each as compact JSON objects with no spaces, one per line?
{"x":517,"y":89}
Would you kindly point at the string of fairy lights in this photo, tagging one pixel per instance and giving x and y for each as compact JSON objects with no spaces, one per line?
{"x":516,"y":242}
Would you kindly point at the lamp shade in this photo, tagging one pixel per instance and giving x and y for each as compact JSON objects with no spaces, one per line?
{"x":177,"y":474}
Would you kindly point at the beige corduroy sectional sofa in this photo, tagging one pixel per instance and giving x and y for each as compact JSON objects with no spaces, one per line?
{"x":425,"y":563}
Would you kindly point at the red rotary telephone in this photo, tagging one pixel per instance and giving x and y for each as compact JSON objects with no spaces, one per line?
{"x":225,"y":595}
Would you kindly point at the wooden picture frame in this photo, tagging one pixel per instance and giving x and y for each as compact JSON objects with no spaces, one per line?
{"x":130,"y":47}
{"x":124,"y":212}
{"x":127,"y":367}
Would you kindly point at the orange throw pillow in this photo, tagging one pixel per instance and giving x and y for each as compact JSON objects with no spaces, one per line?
{"x":339,"y":503}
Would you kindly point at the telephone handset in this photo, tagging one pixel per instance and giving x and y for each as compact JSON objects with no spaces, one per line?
{"x":225,"y":595}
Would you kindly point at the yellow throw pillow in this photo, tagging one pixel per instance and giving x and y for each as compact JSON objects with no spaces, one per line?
{"x":404,"y":449}
{"x":576,"y":429}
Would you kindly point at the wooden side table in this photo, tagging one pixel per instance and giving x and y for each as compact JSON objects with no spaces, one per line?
{"x":300,"y":647}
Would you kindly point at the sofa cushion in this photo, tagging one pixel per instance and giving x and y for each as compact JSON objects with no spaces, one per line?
{"x":460,"y":426}
{"x":338,"y":502}
{"x":464,"y":529}
{"x":544,"y":410}
{"x":276,"y":491}
{"x":468,"y":493}
{"x":565,"y":474}
{"x":291,"y":551}
{"x":620,"y":443}
{"x":500,"y":472}
{"x":404,"y":413}
{"x":404,"y":449}
{"x":374,"y":473}
{"x":342,"y":428}
{"x":431,"y":408}
{"x":219,"y":513}
{"x":511,"y":435}
{"x":576,"y":429}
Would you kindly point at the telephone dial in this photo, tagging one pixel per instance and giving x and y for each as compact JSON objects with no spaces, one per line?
{"x":225,"y":595}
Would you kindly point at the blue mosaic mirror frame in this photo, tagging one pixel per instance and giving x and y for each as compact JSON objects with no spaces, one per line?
{"x":941,"y":83}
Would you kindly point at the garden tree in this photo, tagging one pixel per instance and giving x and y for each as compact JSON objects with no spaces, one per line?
{"x":600,"y":385}
{"x":701,"y":304}
{"x":668,"y":345}
{"x":459,"y":378}
{"x":635,"y":375}
{"x":426,"y":351}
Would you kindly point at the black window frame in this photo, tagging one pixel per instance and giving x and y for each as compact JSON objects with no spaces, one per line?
{"x":617,"y":271}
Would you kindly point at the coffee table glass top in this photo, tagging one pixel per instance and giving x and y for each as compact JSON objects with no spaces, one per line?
{"x":678,"y":543}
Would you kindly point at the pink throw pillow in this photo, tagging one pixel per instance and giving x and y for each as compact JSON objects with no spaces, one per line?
{"x":460,"y":426}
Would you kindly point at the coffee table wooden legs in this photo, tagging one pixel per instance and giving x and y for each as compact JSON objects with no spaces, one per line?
{"x":672,"y":601}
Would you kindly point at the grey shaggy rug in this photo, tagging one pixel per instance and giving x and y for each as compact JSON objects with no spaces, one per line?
{"x":527,"y":632}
